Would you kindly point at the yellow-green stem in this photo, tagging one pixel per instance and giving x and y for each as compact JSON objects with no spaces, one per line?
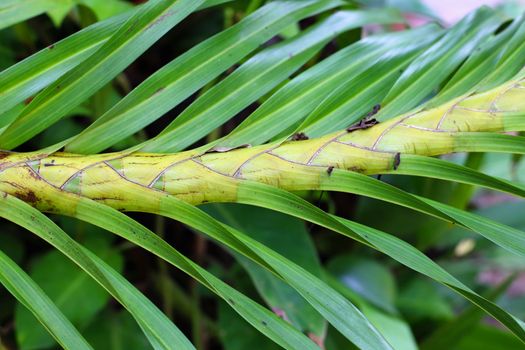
{"x":139,"y":181}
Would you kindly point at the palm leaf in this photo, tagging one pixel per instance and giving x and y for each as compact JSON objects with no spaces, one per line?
{"x":441,"y":91}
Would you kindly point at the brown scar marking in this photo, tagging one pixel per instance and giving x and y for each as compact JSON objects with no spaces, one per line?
{"x":397,"y":160}
{"x":300,"y":136}
{"x":363,"y":124}
{"x":27,"y":196}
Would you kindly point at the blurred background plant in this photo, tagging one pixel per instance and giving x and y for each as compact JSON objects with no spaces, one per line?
{"x":414,"y":311}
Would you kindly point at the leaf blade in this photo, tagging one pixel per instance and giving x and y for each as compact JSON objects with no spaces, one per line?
{"x":138,"y":33}
{"x":32,"y":297}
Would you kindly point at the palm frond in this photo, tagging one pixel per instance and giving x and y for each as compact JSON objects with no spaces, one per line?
{"x":428,"y":92}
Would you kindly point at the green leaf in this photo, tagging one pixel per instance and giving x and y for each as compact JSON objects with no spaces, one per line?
{"x":116,"y":331}
{"x":304,"y":93}
{"x":507,"y":237}
{"x":142,"y":30}
{"x":487,"y":58}
{"x":159,"y":330}
{"x":338,"y":311}
{"x":487,"y":337}
{"x":31,"y":296}
{"x":287,"y":236}
{"x":29,"y":76}
{"x":440,"y":169}
{"x":260,"y":318}
{"x":273,"y":198}
{"x":452,"y":332}
{"x":435,"y":64}
{"x":421,"y":300}
{"x":237,"y":335}
{"x":368,"y":278}
{"x":58,"y":13}
{"x":343,"y":315}
{"x":395,"y":330}
{"x":65,"y":286}
{"x":105,"y":9}
{"x":177,"y":80}
{"x":512,"y":58}
{"x":351,"y":101}
{"x":350,"y":182}
{"x":14,"y":11}
{"x":252,"y":80}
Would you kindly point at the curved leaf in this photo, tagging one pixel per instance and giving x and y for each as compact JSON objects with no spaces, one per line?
{"x":440,"y":60}
{"x":273,"y":198}
{"x":139,"y":32}
{"x":177,"y":80}
{"x":33,"y":298}
{"x":257,"y":76}
{"x":260,"y":318}
{"x":440,"y":169}
{"x":302,"y":94}
{"x":14,"y":11}
{"x":155,"y":324}
{"x":27,"y":77}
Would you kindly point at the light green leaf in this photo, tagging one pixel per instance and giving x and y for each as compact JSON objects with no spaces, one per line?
{"x":65,"y":286}
{"x":483,"y":62}
{"x":29,"y":76}
{"x":440,"y":169}
{"x":138,"y":33}
{"x":177,"y":80}
{"x":252,"y":80}
{"x":273,"y":198}
{"x":157,"y":327}
{"x":435,"y":64}
{"x":304,"y":93}
{"x":287,"y":236}
{"x":14,"y":11}
{"x":32,"y":297}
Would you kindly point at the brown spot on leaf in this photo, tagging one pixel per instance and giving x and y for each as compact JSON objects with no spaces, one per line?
{"x":221,"y":149}
{"x":374,"y":111}
{"x":397,"y":160}
{"x":161,"y":19}
{"x":28,"y":100}
{"x":363,"y":124}
{"x":356,"y":169}
{"x":300,"y":136}
{"x":27,"y":196}
{"x":33,"y":174}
